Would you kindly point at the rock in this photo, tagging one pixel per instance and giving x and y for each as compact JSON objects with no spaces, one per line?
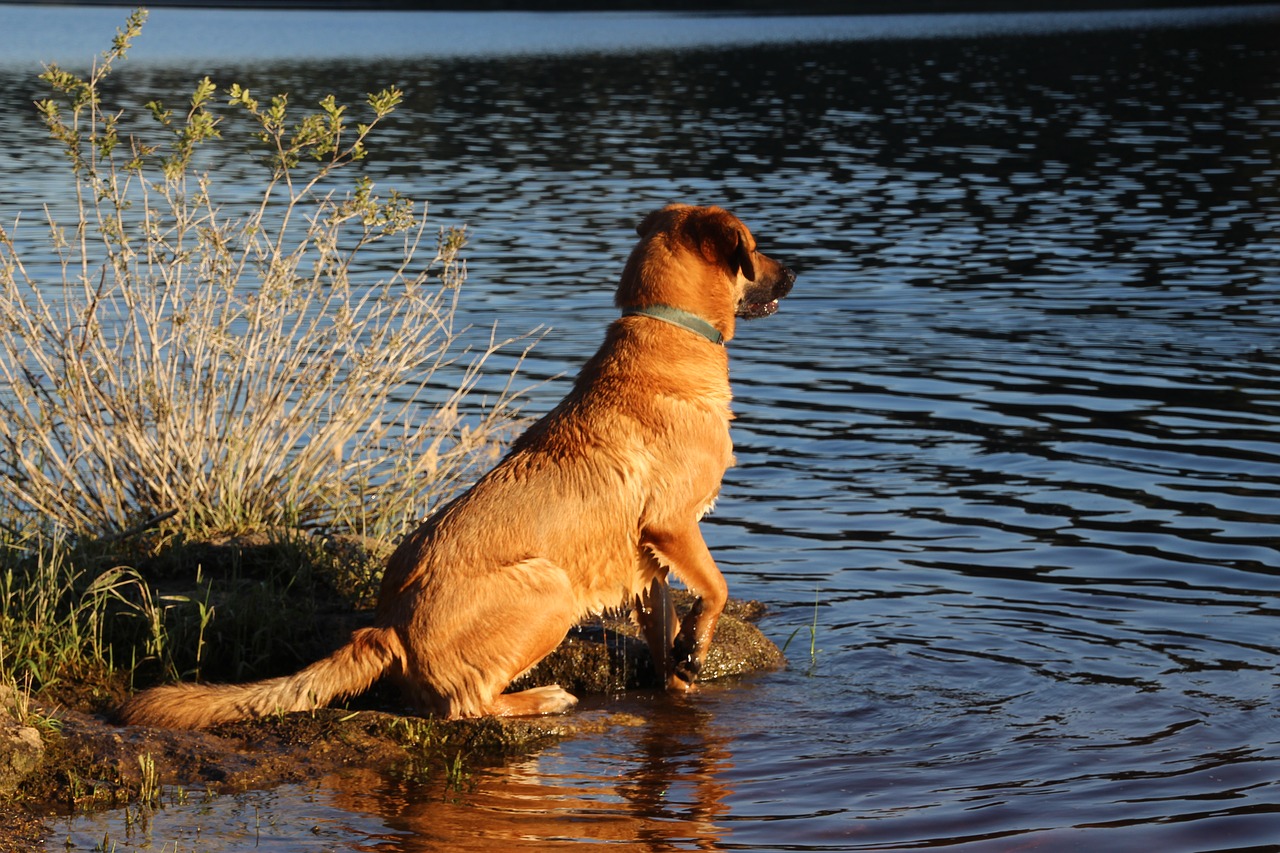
{"x":609,"y":656}
{"x":21,"y":751}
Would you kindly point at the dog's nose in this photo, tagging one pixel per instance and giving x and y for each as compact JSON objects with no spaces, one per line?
{"x":786,"y":281}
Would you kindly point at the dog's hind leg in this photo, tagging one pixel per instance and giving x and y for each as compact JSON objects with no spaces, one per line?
{"x":509,"y":621}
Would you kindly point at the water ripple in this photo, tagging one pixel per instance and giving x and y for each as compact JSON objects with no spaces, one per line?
{"x":1011,"y":451}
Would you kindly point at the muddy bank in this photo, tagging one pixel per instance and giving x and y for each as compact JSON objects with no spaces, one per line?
{"x":87,"y":762}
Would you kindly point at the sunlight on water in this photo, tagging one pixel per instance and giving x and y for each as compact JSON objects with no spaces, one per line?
{"x":1014,"y":441}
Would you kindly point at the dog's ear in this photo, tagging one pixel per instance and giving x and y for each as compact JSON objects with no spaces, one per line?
{"x":742,"y":257}
{"x":646,"y":225}
{"x":724,"y":238}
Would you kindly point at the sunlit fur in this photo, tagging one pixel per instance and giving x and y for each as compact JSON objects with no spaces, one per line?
{"x":589,"y":511}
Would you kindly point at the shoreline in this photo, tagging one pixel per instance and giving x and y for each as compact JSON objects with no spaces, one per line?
{"x":720,"y":7}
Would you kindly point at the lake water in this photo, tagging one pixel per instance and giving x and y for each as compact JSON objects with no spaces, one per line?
{"x":1013,"y":443}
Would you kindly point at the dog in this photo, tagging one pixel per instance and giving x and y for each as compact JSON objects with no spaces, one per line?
{"x":589,"y":511}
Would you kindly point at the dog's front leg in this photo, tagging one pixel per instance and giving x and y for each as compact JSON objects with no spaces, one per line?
{"x":686,"y":554}
{"x":656,"y":616}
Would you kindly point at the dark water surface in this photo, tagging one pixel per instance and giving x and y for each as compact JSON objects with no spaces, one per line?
{"x":1014,"y":442}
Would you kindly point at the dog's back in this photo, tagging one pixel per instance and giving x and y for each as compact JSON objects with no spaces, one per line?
{"x":590,"y":510}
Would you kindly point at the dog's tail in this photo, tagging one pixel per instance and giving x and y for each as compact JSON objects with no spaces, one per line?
{"x":350,"y":670}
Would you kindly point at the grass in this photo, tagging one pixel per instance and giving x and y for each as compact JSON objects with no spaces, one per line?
{"x":813,"y":636}
{"x":221,"y":368}
{"x":54,"y":618}
{"x":176,"y":371}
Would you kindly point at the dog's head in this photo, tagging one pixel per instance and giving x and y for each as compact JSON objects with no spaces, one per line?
{"x":704,"y":261}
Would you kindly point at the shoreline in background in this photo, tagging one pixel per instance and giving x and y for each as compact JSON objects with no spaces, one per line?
{"x":762,"y":7}
{"x":182,"y":33}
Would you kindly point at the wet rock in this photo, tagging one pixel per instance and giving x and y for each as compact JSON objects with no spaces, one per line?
{"x":609,"y":655}
{"x":94,"y":764}
{"x":91,"y":763}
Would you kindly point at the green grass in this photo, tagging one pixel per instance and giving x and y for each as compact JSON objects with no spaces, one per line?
{"x":55,"y":616}
{"x":813,"y":636}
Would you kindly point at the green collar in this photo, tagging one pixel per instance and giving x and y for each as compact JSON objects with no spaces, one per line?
{"x":678,"y":317}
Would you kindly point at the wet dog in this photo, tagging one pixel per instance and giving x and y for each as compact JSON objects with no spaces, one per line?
{"x":590,"y":510}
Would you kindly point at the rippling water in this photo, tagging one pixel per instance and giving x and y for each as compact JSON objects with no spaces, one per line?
{"x":1013,"y":445}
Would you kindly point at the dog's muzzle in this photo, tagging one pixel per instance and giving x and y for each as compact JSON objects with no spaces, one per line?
{"x":761,"y":298}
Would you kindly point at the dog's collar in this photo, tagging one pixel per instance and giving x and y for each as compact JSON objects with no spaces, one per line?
{"x":678,"y":317}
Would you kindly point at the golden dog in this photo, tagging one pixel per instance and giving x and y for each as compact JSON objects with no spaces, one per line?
{"x":590,"y":510}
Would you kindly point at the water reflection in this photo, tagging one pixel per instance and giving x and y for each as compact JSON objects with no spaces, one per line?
{"x":645,"y":785}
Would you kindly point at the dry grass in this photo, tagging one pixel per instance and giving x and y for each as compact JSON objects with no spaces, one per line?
{"x":192,"y":368}
{"x":224,"y":368}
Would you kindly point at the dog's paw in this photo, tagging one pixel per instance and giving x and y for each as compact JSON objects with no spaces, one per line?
{"x":552,"y":699}
{"x":685,"y":657}
{"x":535,"y":701}
{"x":682,"y":678}
{"x":688,"y":668}
{"x":676,"y":684}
